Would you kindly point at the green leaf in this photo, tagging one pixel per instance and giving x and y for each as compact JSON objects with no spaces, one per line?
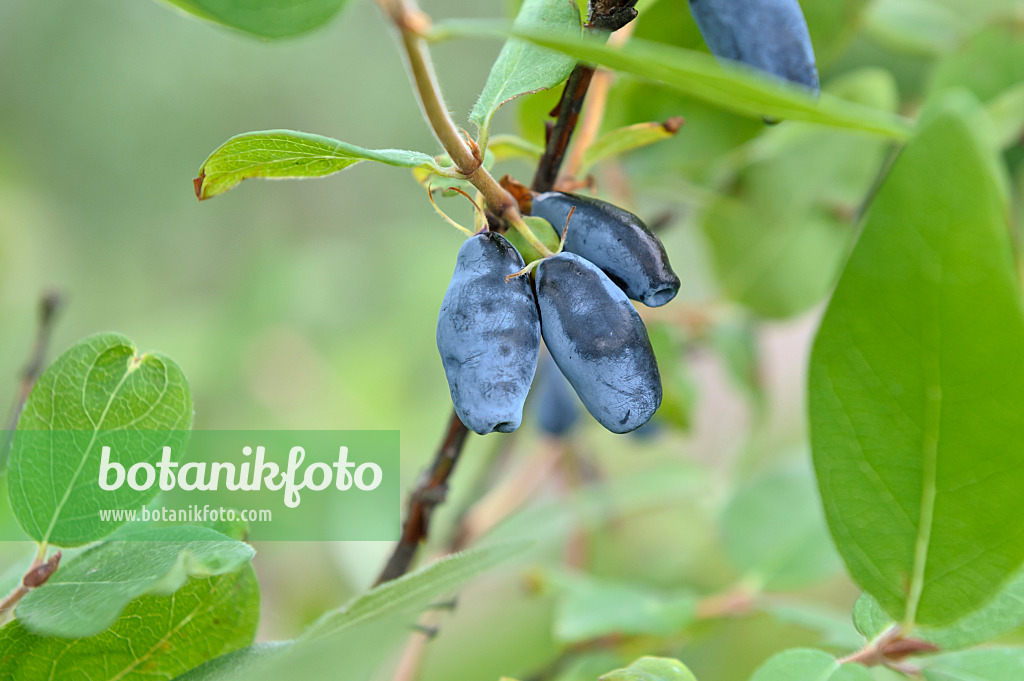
{"x":698,"y":74}
{"x":835,"y":629}
{"x":135,"y":561}
{"x":589,"y":608}
{"x":988,"y":63}
{"x":652,"y":669}
{"x":995,"y":664}
{"x":617,"y":142}
{"x":869,"y":618}
{"x":101,"y":387}
{"x":778,"y":241}
{"x":542,"y":229}
{"x":1007,"y":112}
{"x":155,"y":637}
{"x":736,"y":344}
{"x":678,"y":386}
{"x":287,"y":154}
{"x":1001,"y":615}
{"x":505,"y":147}
{"x":918,"y":27}
{"x":805,"y":664}
{"x":785,"y":546}
{"x":240,"y":663}
{"x":522,"y":68}
{"x":916,"y":432}
{"x":366,"y":630}
{"x":414,"y":590}
{"x":264,"y":18}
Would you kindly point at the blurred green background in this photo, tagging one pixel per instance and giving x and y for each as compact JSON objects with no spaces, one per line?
{"x":312,"y":305}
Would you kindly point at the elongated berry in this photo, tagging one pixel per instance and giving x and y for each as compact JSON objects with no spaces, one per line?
{"x":770,"y":35}
{"x":616,"y":241}
{"x":488,"y":334}
{"x":598,"y":341}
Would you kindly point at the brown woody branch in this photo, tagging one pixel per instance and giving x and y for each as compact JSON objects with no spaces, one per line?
{"x":49,"y":304}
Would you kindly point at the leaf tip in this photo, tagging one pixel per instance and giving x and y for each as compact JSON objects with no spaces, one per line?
{"x":672,"y":125}
{"x":197,"y":184}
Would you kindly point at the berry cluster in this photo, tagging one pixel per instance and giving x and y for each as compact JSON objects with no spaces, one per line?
{"x":492,"y":319}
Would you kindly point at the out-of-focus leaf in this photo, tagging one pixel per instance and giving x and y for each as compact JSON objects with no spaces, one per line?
{"x":832,"y":23}
{"x":590,"y":608}
{"x":240,"y":663}
{"x":736,"y":344}
{"x":805,"y":664}
{"x":617,"y":142}
{"x":773,"y":530}
{"x":100,"y":387}
{"x":917,"y":27}
{"x":913,"y":429}
{"x":264,"y":18}
{"x":505,"y":147}
{"x":287,"y":154}
{"x":1007,"y":112}
{"x":994,"y":664}
{"x":698,"y":74}
{"x":778,"y":241}
{"x":988,"y":63}
{"x":155,"y":636}
{"x":522,"y":67}
{"x":415,"y":589}
{"x":136,"y":560}
{"x":835,"y":628}
{"x":679,"y":391}
{"x":1001,"y":615}
{"x":652,"y":669}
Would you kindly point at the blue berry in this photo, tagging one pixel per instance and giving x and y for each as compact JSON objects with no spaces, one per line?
{"x":598,"y":341}
{"x":616,"y":241}
{"x":770,"y":35}
{"x":488,"y":334}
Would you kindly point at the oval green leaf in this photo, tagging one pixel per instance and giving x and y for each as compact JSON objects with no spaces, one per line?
{"x":805,"y":664}
{"x":522,"y":67}
{"x":917,"y":384}
{"x":137,"y":560}
{"x":102,"y":387}
{"x":287,"y":154}
{"x":155,"y":637}
{"x":264,"y":18}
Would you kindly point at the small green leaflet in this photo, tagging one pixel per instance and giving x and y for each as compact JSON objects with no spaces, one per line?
{"x":101,"y":387}
{"x":136,"y":560}
{"x":697,"y":74}
{"x":522,"y":68}
{"x":651,"y":669}
{"x":287,"y":154}
{"x":155,"y":637}
{"x":917,"y":383}
{"x":617,"y":142}
{"x":264,"y":18}
{"x":805,"y":664}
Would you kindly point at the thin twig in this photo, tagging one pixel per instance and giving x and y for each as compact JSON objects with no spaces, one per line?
{"x":429,"y":493}
{"x":49,"y":304}
{"x":605,"y":15}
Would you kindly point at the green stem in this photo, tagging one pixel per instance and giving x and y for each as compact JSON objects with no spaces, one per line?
{"x":517,"y":222}
{"x":412,"y":24}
